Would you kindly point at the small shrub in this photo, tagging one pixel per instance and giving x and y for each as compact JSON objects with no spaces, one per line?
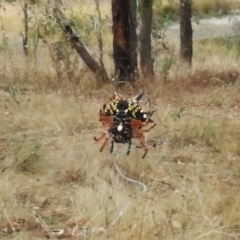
{"x":210,"y":7}
{"x":165,"y":66}
{"x":26,"y":155}
{"x":199,"y":7}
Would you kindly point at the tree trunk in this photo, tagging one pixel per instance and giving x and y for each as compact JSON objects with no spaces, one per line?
{"x":77,"y":44}
{"x":124,"y":69}
{"x":25,"y":34}
{"x":146,"y":60}
{"x":186,"y":32}
{"x":133,"y":36}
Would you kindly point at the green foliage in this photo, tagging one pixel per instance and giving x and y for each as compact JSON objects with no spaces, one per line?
{"x":231,"y":43}
{"x":216,"y":7}
{"x":44,"y":26}
{"x":9,"y":1}
{"x":60,"y":49}
{"x":200,"y":8}
{"x":168,"y":10}
{"x":27,"y":156}
{"x":49,"y":24}
{"x":29,"y":1}
{"x":33,"y":36}
{"x":35,"y":1}
{"x":163,"y":17}
{"x":41,"y":24}
{"x":176,"y":114}
{"x":84,"y":23}
{"x":4,"y":43}
{"x":165,"y":66}
{"x":64,"y":60}
{"x":160,"y":24}
{"x":227,"y":45}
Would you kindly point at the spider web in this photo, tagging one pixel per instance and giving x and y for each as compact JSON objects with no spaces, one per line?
{"x":145,"y":99}
{"x":119,"y":149}
{"x":122,"y":151}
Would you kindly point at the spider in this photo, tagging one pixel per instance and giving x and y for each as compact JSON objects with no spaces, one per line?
{"x":134,"y":109}
{"x":124,"y":119}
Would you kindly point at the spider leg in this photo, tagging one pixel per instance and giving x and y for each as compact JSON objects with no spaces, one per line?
{"x":106,"y":121}
{"x":97,"y":139}
{"x":138,"y":133}
{"x":111,"y":148}
{"x":129,"y":146}
{"x":143,"y":143}
{"x":145,"y":153}
{"x":104,"y":143}
{"x":147,"y":130}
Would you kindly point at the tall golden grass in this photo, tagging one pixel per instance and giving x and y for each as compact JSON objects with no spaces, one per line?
{"x":203,"y":7}
{"x":54,"y":177}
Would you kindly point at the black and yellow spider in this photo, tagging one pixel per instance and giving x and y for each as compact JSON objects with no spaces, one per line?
{"x":133,"y":107}
{"x":124,"y":119}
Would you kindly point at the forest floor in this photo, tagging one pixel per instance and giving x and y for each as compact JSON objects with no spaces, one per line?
{"x":55,"y":183}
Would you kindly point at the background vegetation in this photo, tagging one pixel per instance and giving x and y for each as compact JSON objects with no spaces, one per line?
{"x":53,"y":176}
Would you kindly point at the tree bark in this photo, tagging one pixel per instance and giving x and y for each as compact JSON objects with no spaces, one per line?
{"x":25,"y":34}
{"x":77,"y":44}
{"x":124,"y":69}
{"x":186,"y":32}
{"x":133,"y":36}
{"x":146,"y":60}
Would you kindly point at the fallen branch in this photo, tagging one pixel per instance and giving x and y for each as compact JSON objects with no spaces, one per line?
{"x":76,"y":43}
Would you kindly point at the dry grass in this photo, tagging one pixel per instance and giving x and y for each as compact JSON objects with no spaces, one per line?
{"x":199,"y":7}
{"x":191,"y":175}
{"x":217,"y":6}
{"x":54,"y":177}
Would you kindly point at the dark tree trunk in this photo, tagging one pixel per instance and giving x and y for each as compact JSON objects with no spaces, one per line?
{"x":124,"y":69}
{"x":133,"y":36}
{"x":25,"y":34}
{"x":186,"y":32}
{"x":146,"y":60}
